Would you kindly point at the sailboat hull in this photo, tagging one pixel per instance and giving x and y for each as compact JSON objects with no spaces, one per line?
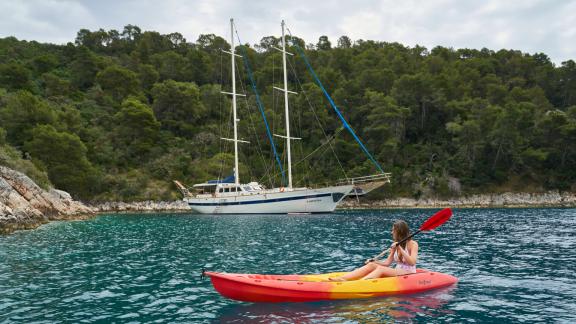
{"x":302,"y":200}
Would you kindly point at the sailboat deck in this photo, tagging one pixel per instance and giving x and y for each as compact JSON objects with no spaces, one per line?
{"x":243,"y":192}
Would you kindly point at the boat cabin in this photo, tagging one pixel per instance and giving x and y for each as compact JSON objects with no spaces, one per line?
{"x":225,"y":189}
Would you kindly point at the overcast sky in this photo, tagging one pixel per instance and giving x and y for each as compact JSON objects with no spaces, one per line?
{"x":547,"y":26}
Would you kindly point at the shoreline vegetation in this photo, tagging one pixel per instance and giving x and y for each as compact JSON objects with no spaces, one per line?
{"x":116,"y":115}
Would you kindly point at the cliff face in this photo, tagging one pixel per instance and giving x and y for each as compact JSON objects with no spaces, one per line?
{"x":24,"y":205}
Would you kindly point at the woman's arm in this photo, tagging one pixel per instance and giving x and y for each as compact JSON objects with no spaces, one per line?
{"x":413,"y":256}
{"x":385,"y":263}
{"x":390,"y":257}
{"x":388,"y":260}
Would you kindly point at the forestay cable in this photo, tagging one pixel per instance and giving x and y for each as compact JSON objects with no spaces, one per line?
{"x":342,"y":119}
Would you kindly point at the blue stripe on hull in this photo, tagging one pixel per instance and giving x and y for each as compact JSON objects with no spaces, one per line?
{"x":251,"y":202}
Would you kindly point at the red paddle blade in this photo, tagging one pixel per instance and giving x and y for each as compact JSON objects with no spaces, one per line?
{"x":436,"y":220}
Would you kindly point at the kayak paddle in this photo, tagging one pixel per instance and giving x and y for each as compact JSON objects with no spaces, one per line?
{"x":436,"y":220}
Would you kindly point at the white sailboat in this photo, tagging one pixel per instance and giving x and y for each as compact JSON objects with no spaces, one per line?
{"x":230,"y":196}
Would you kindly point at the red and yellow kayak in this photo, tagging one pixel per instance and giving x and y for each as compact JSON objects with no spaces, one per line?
{"x":315,"y":287}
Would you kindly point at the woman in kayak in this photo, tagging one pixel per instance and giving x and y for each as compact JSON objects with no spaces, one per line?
{"x":405,"y":255}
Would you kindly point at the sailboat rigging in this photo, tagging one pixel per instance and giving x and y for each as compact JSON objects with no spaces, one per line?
{"x":230,"y":196}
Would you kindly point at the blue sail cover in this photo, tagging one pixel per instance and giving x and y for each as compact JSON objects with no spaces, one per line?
{"x":228,"y":179}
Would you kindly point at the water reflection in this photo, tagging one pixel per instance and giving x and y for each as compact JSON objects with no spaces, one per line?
{"x":397,"y":308}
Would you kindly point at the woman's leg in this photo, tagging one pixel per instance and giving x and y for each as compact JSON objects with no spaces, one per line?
{"x":382,"y":271}
{"x":358,"y":273}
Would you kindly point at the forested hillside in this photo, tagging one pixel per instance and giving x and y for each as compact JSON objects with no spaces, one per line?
{"x":119,"y":115}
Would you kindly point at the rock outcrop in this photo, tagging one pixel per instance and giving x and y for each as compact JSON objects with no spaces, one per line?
{"x":141,"y":206}
{"x":24,"y":205}
{"x":508,"y":199}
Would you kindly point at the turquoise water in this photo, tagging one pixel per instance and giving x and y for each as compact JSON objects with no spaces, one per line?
{"x":514,"y":265}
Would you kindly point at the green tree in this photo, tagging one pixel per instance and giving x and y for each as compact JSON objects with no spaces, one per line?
{"x":323,"y":43}
{"x":95,"y":41}
{"x":417,"y":93}
{"x":177,"y":106}
{"x":64,"y":156}
{"x":15,"y":76}
{"x":212,"y":43}
{"x":556,"y":142}
{"x":386,"y":124}
{"x":376,"y":79}
{"x":136,"y":131}
{"x":55,"y":86}
{"x":150,"y":43}
{"x":199,"y":66}
{"x":22,"y":112}
{"x":468,"y":140}
{"x":344,"y":42}
{"x":268,"y":42}
{"x":131,"y":33}
{"x":148,"y":76}
{"x":118,"y":82}
{"x":45,"y":63}
{"x":170,"y":65}
{"x":84,"y":68}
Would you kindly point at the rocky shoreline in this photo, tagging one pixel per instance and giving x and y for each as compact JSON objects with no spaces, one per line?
{"x":140,"y":206}
{"x":24,"y":205}
{"x":500,"y":200}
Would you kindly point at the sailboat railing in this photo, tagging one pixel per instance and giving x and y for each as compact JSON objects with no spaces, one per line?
{"x":371,"y":178}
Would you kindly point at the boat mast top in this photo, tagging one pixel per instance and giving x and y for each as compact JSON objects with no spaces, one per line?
{"x":288,"y":139}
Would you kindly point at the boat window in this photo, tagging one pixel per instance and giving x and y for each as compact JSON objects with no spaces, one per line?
{"x":233,"y":189}
{"x":337,"y":196}
{"x":221,"y":190}
{"x":226,"y":189}
{"x":247,"y":188}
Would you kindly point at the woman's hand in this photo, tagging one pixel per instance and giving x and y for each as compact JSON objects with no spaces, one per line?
{"x":393,"y":245}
